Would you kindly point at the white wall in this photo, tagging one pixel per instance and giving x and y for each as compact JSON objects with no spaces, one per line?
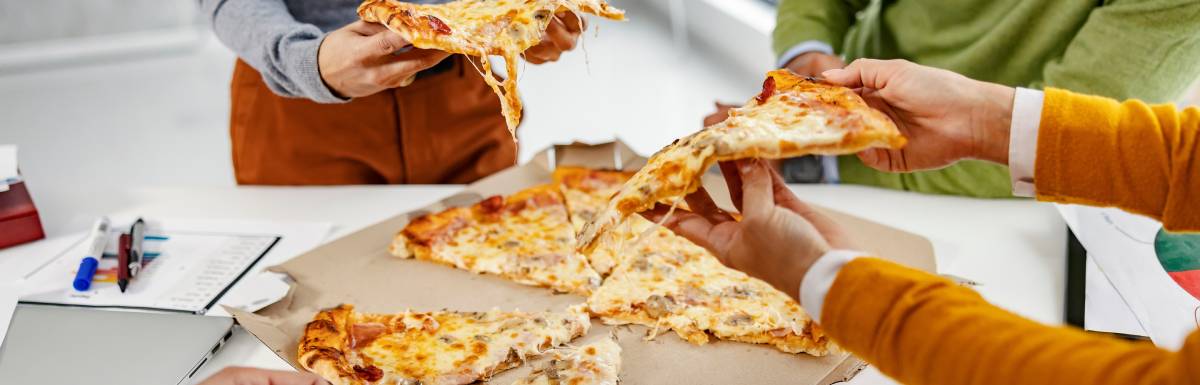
{"x":39,"y":20}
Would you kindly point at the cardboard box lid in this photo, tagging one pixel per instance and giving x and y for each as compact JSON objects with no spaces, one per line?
{"x":357,"y":269}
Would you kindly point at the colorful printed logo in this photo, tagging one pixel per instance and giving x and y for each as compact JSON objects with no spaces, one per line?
{"x":1179,"y":255}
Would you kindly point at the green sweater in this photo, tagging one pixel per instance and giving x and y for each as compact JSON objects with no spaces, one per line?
{"x":1147,"y":50}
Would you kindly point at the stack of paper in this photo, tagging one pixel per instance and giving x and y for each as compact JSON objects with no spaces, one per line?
{"x":8,"y":166}
{"x":1123,"y":246}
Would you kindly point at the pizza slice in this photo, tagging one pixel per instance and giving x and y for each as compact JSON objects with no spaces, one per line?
{"x":480,"y":28}
{"x":587,"y":191}
{"x":430,"y":348}
{"x":793,"y":116}
{"x":597,"y":363}
{"x":526,"y":237}
{"x":667,"y":282}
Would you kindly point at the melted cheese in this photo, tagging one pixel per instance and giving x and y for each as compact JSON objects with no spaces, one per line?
{"x":597,"y":363}
{"x":534,"y":245}
{"x":587,"y":192}
{"x":481,"y":28}
{"x":670,"y":282}
{"x":461,"y":348}
{"x":799,"y":117}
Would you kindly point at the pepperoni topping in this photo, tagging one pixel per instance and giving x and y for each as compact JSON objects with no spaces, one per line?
{"x":767,"y":91}
{"x":437,"y":25}
{"x":363,"y":334}
{"x":369,"y":373}
{"x":492,"y":205}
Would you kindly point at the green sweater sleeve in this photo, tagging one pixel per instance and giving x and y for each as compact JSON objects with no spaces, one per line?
{"x":1132,"y":49}
{"x":827,"y":21}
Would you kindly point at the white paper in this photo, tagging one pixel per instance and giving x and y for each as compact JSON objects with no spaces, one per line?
{"x":199,"y":261}
{"x":8,"y":305}
{"x":1122,"y":245}
{"x":1103,"y":308}
{"x":8,"y":163}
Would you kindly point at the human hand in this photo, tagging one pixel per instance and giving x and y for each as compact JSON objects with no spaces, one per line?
{"x":561,"y":36}
{"x":778,"y":238}
{"x":946,"y":116}
{"x":360,"y":59}
{"x":813,"y":63}
{"x":255,"y":376}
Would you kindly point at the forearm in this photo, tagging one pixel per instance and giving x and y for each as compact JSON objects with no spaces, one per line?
{"x":266,"y":36}
{"x":921,"y":329}
{"x":1130,"y":155}
{"x":802,"y":21}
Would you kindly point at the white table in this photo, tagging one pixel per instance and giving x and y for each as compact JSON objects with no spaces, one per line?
{"x":1015,"y":248}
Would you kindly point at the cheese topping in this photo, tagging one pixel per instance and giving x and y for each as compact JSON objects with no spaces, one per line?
{"x":458,"y":347}
{"x":669,"y":282}
{"x":529,"y":239}
{"x":792,"y":117}
{"x":480,"y":28}
{"x":597,"y":363}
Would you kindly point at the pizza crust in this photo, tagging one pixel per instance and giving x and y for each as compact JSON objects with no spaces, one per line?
{"x":322,"y":349}
{"x":793,"y":116}
{"x":479,"y":28}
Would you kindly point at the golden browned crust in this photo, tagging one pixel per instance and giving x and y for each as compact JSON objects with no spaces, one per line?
{"x":322,"y":349}
{"x":587,"y":179}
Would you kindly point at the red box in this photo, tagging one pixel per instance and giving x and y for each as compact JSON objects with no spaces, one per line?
{"x":19,"y":221}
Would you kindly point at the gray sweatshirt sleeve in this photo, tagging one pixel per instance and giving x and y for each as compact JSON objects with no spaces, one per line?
{"x":266,"y":36}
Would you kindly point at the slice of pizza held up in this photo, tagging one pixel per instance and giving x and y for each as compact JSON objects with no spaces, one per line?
{"x":429,"y":348}
{"x":793,"y":116}
{"x":598,"y":363}
{"x":480,"y":28}
{"x":668,"y":283}
{"x":526,"y":237}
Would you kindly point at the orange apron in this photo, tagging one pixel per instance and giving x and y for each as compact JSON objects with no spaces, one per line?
{"x":446,"y":127}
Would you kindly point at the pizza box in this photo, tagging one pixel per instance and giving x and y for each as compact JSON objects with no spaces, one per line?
{"x":358,"y":270}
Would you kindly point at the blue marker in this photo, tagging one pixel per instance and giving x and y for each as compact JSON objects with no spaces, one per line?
{"x":87,"y":266}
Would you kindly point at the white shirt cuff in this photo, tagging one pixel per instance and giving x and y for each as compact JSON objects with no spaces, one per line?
{"x":829,"y":168}
{"x":819,"y":279}
{"x":803,"y":48}
{"x":1023,"y":136}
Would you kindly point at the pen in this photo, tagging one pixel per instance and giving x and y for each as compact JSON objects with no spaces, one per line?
{"x":132,"y":264}
{"x":137,"y":237}
{"x":87,"y":266}
{"x":123,"y":262}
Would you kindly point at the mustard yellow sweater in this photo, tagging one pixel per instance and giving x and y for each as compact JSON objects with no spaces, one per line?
{"x":924,"y":330}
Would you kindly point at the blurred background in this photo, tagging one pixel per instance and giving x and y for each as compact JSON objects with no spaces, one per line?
{"x":104,"y":93}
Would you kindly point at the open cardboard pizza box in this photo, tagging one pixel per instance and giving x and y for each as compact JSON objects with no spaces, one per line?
{"x":357,"y":269}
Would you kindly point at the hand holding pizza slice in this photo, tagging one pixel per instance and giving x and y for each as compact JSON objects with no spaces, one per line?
{"x":793,"y":116}
{"x":480,"y":28}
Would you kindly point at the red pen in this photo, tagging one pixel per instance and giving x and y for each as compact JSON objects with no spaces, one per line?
{"x":123,"y":261}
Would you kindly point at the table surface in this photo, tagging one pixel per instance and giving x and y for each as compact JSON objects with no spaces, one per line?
{"x":1015,"y":249}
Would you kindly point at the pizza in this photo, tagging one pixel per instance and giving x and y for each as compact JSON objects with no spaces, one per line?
{"x":430,"y":348}
{"x":793,"y":116}
{"x":587,"y":191}
{"x":668,"y":283}
{"x":597,"y":363}
{"x":480,"y":28}
{"x":526,"y":237}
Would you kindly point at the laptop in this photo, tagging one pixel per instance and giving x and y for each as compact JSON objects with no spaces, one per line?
{"x":54,"y":345}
